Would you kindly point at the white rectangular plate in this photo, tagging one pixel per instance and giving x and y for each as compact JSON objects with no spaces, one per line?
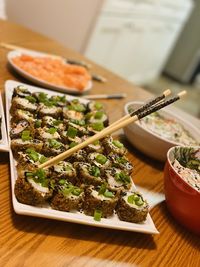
{"x":75,"y":217}
{"x":4,"y":141}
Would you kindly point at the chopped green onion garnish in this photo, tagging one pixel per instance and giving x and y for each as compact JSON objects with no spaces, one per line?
{"x":62,"y":181}
{"x":139,"y":202}
{"x":98,"y":105}
{"x":52,"y":130}
{"x":72,"y":132}
{"x":101,"y":159}
{"x":77,"y":107}
{"x":32,"y":154}
{"x":76,"y":191}
{"x":95,"y":171}
{"x":97,"y":215}
{"x":42,"y":159}
{"x":117,"y":144}
{"x":97,"y":126}
{"x":31,"y":99}
{"x":123,"y":177}
{"x":121,"y":160}
{"x":102,"y":189}
{"x":108,"y":194}
{"x":38,"y":123}
{"x":78,"y":122}
{"x":98,"y":115}
{"x":67,"y":168}
{"x":57,"y":122}
{"x":42,"y":97}
{"x":26,"y":135}
{"x":54,"y":143}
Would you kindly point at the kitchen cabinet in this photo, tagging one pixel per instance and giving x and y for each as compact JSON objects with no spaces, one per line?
{"x":134,"y":40}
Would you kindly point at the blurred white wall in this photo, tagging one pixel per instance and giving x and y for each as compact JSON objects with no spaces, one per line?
{"x":50,"y":18}
{"x":2,"y":9}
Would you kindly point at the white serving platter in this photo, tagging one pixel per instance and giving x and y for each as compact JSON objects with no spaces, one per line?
{"x":4,"y":140}
{"x":147,"y":227}
{"x":38,"y":81}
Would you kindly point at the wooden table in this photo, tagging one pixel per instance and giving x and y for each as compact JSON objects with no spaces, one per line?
{"x":29,"y":241}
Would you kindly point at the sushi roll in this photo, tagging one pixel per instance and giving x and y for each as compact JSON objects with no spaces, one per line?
{"x":64,"y":170}
{"x":19,"y":127}
{"x":27,"y":103}
{"x":20,"y":115}
{"x":30,"y":159}
{"x":114,"y":146}
{"x":132,"y":207}
{"x":94,"y":147}
{"x":76,"y":105}
{"x":121,"y":162}
{"x":33,"y":189}
{"x":99,"y":201}
{"x":49,"y":110}
{"x":53,"y":147}
{"x":70,"y":137}
{"x":21,"y":144}
{"x":21,"y":91}
{"x":118,"y":179}
{"x":72,"y":114}
{"x":95,"y":106}
{"x":59,"y":101}
{"x":96,"y":117}
{"x":47,"y":133}
{"x":79,"y":156}
{"x":99,"y":160}
{"x":95,"y":128}
{"x":80,"y":129}
{"x":67,"y":197}
{"x":49,"y":122}
{"x":89,"y":174}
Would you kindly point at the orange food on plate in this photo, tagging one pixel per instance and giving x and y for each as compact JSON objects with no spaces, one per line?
{"x":54,"y":71}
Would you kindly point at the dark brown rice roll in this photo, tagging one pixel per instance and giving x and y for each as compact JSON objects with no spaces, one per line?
{"x":33,"y":188}
{"x":132,"y":207}
{"x":64,"y":170}
{"x":99,"y":199}
{"x":113,"y":146}
{"x":67,"y":197}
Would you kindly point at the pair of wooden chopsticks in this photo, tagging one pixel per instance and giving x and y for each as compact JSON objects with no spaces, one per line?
{"x":95,"y":77}
{"x":148,"y":108}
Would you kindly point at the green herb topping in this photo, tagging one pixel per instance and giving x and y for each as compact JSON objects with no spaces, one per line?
{"x":135,"y":199}
{"x":117,"y":144}
{"x":54,"y":143}
{"x":122,"y":177}
{"x":97,"y":215}
{"x":71,"y":132}
{"x":94,"y":171}
{"x":52,"y":130}
{"x":98,"y":115}
{"x":38,"y":176}
{"x":38,"y":123}
{"x":26,"y":135}
{"x":98,"y":105}
{"x":97,"y":126}
{"x":101,"y":159}
{"x":31,"y":99}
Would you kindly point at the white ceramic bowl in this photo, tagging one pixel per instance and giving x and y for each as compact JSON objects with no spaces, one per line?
{"x":150,"y":143}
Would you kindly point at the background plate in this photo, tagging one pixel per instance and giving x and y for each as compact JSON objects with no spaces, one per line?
{"x":38,"y":81}
{"x":4,"y":141}
{"x":75,"y":217}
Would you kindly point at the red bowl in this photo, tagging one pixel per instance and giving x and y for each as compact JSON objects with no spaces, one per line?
{"x":183,"y":201}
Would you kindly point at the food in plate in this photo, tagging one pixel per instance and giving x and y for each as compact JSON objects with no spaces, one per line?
{"x":53,"y":70}
{"x":93,"y":180}
{"x":187,"y":164}
{"x":167,"y":128}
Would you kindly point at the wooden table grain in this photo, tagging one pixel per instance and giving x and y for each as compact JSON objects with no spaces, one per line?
{"x":31,"y":241}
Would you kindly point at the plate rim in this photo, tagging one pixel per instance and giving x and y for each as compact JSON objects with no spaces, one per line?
{"x":38,"y":81}
{"x":24,"y":209}
{"x":4,"y":147}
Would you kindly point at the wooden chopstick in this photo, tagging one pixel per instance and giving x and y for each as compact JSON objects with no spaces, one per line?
{"x":144,"y":107}
{"x":110,"y":130}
